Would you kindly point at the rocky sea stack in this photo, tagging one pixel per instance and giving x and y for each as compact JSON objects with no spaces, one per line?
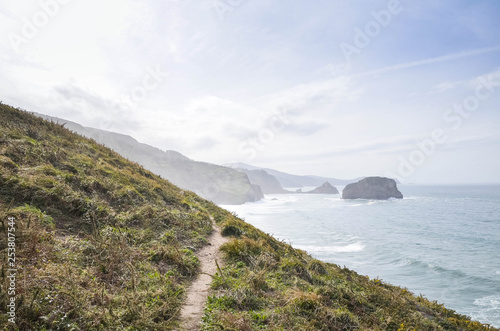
{"x":326,"y":188}
{"x":377,"y":188}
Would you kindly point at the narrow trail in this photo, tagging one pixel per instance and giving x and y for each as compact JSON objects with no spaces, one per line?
{"x":197,"y":293}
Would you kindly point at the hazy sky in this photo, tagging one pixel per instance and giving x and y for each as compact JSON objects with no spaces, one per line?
{"x":409,"y":89}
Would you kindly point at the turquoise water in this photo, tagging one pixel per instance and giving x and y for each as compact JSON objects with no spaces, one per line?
{"x":439,"y":241}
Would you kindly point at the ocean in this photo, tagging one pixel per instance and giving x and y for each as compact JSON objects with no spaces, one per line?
{"x":439,"y":241}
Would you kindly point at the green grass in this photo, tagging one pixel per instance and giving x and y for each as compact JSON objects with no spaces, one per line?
{"x":103,"y":244}
{"x":268,"y":285}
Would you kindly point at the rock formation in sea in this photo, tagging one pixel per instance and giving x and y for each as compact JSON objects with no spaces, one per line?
{"x":326,"y":188}
{"x":377,"y":188}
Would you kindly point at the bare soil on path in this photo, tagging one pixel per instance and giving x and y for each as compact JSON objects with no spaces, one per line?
{"x":197,"y":293}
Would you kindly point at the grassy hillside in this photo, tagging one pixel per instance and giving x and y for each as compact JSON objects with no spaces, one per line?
{"x":267,"y":284}
{"x":102,"y":244}
{"x":221,"y":185}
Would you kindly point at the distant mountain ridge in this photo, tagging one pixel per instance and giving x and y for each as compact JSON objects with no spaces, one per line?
{"x":268,"y":183}
{"x":288,"y":180}
{"x":222,"y":185}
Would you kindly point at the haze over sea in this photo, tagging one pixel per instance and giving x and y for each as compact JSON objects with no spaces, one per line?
{"x":439,"y":241}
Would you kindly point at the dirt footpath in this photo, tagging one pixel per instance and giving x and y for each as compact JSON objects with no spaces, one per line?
{"x":197,"y":293}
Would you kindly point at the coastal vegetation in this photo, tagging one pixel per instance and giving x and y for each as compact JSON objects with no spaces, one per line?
{"x":267,"y":284}
{"x":222,"y":185}
{"x":103,"y":244}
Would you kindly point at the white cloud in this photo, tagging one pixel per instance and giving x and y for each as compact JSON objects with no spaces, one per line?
{"x":228,"y":78}
{"x":444,"y":58}
{"x":446,"y":86}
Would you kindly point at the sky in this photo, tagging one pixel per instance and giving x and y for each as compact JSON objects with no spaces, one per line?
{"x":398,"y":88}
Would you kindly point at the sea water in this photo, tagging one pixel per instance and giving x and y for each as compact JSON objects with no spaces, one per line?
{"x":439,"y":241}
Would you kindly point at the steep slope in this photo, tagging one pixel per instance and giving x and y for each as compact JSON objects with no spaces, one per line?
{"x":221,"y":185}
{"x":103,"y":244}
{"x":266,"y":284}
{"x":288,"y":180}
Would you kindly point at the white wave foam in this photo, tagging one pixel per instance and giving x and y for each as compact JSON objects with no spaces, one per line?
{"x":488,"y":309}
{"x":490,"y":302}
{"x":351,"y":248}
{"x":413,"y":197}
{"x":364,"y":202}
{"x":357,"y":205}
